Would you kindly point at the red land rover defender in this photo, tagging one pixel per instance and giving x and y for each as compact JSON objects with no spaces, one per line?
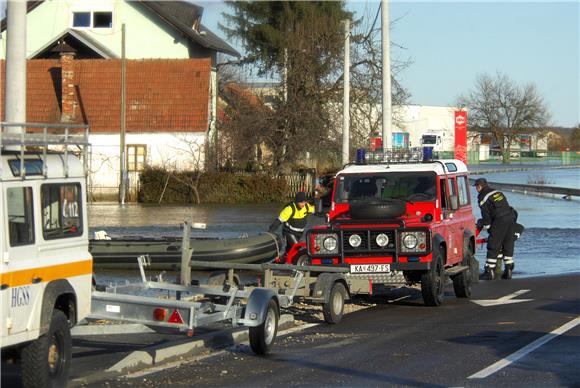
{"x":405,"y":215}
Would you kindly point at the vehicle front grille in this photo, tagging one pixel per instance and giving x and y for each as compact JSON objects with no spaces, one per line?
{"x":368,"y":243}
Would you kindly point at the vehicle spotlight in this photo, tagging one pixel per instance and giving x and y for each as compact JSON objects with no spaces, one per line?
{"x":355,"y":241}
{"x":382,"y":240}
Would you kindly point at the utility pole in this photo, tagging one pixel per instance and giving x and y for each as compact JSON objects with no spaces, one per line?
{"x":386,"y":45}
{"x":346,"y":95}
{"x":15,"y":104}
{"x":123,"y":172}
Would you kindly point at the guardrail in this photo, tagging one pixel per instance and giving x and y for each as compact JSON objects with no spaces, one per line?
{"x":566,"y":192}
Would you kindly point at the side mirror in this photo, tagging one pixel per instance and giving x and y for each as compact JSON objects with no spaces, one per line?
{"x":454,"y":202}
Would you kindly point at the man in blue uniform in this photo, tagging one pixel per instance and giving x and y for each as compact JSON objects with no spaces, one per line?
{"x":499,"y":219}
{"x":293,"y":219}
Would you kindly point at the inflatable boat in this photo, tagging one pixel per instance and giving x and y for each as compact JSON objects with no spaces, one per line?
{"x":165,"y":252}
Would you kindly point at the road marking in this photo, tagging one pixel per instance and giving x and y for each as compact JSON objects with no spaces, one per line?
{"x":525,"y":350}
{"x":508,"y":299}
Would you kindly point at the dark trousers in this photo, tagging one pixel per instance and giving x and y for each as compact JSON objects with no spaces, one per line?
{"x":501,"y":239}
{"x":291,"y":239}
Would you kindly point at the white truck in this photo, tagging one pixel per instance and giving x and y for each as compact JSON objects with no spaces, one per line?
{"x":46,"y":282}
{"x":45,"y":266}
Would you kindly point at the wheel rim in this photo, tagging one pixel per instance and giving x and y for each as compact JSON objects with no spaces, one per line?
{"x":270,"y":326}
{"x":54,"y":358}
{"x":337,"y":302}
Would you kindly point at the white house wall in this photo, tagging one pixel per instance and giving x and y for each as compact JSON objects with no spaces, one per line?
{"x":145,"y":36}
{"x":181,"y":151}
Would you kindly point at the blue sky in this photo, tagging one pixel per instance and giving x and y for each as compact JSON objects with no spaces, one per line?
{"x":450,"y":43}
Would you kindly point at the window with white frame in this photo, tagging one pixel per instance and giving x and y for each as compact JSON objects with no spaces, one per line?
{"x":92,"y":19}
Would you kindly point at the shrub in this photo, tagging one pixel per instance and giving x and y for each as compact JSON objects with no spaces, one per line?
{"x":213,"y":187}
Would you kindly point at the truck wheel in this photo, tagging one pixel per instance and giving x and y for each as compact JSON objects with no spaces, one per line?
{"x":433,"y":281}
{"x":46,"y":361}
{"x":302,"y":260}
{"x":334,"y":308}
{"x":262,"y":336}
{"x":462,"y":281}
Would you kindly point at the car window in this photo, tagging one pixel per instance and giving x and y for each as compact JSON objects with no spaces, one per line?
{"x":463,"y":190}
{"x":20,"y":215}
{"x":61,"y":210}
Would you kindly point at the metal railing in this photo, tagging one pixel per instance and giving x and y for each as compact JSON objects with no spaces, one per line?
{"x":23,"y":135}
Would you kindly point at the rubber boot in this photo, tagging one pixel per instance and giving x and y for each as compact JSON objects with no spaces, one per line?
{"x":507,"y":272}
{"x":487,"y":274}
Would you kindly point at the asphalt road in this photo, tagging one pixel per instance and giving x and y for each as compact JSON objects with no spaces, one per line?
{"x":408,"y":344}
{"x":396,"y":344}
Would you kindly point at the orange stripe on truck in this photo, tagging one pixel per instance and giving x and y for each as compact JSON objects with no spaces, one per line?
{"x":46,"y":274}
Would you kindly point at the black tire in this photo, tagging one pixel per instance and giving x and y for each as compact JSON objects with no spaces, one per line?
{"x":302,"y":259}
{"x":462,"y":281}
{"x":263,"y":336}
{"x":333,"y":310}
{"x":433,"y":281}
{"x":46,"y":361}
{"x":388,"y":208}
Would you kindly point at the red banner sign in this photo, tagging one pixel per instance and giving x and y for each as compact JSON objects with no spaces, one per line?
{"x":461,"y":136}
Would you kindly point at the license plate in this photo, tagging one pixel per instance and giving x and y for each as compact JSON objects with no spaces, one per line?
{"x":370,"y":268}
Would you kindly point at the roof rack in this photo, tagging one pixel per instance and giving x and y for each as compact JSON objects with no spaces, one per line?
{"x":18,"y":136}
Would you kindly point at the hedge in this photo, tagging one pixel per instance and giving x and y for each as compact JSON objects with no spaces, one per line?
{"x":214,"y":187}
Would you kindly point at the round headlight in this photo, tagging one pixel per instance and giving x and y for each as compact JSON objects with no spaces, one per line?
{"x":329,"y":243}
{"x":354,"y":240}
{"x":410,"y":241}
{"x":382,"y":240}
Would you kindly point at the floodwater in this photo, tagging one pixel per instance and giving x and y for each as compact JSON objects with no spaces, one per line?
{"x":549,"y":245}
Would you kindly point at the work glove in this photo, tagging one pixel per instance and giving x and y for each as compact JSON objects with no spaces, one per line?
{"x":479,"y":224}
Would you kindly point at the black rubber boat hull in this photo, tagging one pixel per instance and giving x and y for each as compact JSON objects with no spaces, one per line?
{"x":166,"y":253}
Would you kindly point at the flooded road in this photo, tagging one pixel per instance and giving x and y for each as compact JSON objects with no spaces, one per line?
{"x":550,"y":244}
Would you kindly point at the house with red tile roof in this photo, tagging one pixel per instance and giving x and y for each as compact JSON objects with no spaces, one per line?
{"x":74,"y":75}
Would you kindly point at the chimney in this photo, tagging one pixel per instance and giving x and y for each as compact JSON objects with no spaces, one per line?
{"x":68,"y":103}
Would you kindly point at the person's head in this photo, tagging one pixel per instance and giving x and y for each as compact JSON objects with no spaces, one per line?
{"x":480,"y":183}
{"x":300,"y":199}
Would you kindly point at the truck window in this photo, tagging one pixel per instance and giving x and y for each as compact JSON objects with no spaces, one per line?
{"x":418,"y":186}
{"x":20,"y":215}
{"x":451,"y":185}
{"x":463,"y":191}
{"x":442,"y":186}
{"x":61,"y":211}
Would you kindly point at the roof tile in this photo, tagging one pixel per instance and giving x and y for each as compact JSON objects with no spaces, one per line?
{"x":165,"y":95}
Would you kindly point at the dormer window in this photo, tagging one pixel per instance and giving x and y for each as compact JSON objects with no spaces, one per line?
{"x":82,"y":19}
{"x":102,"y":19}
{"x":92,"y":19}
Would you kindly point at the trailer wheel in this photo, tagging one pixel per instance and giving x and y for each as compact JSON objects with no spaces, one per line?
{"x":46,"y":361}
{"x":334,"y":308}
{"x":262,"y":336}
{"x":462,"y":281}
{"x":433,"y":281}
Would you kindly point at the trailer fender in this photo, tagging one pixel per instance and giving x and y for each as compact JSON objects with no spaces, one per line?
{"x":324,"y":284}
{"x":257,"y":306}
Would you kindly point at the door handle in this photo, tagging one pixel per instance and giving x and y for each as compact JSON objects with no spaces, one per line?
{"x":36,"y":280}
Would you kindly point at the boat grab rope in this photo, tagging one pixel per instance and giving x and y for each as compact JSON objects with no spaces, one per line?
{"x":275,"y":237}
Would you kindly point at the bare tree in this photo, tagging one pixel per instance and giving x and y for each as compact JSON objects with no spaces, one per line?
{"x":187,"y":167}
{"x":499,"y":106}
